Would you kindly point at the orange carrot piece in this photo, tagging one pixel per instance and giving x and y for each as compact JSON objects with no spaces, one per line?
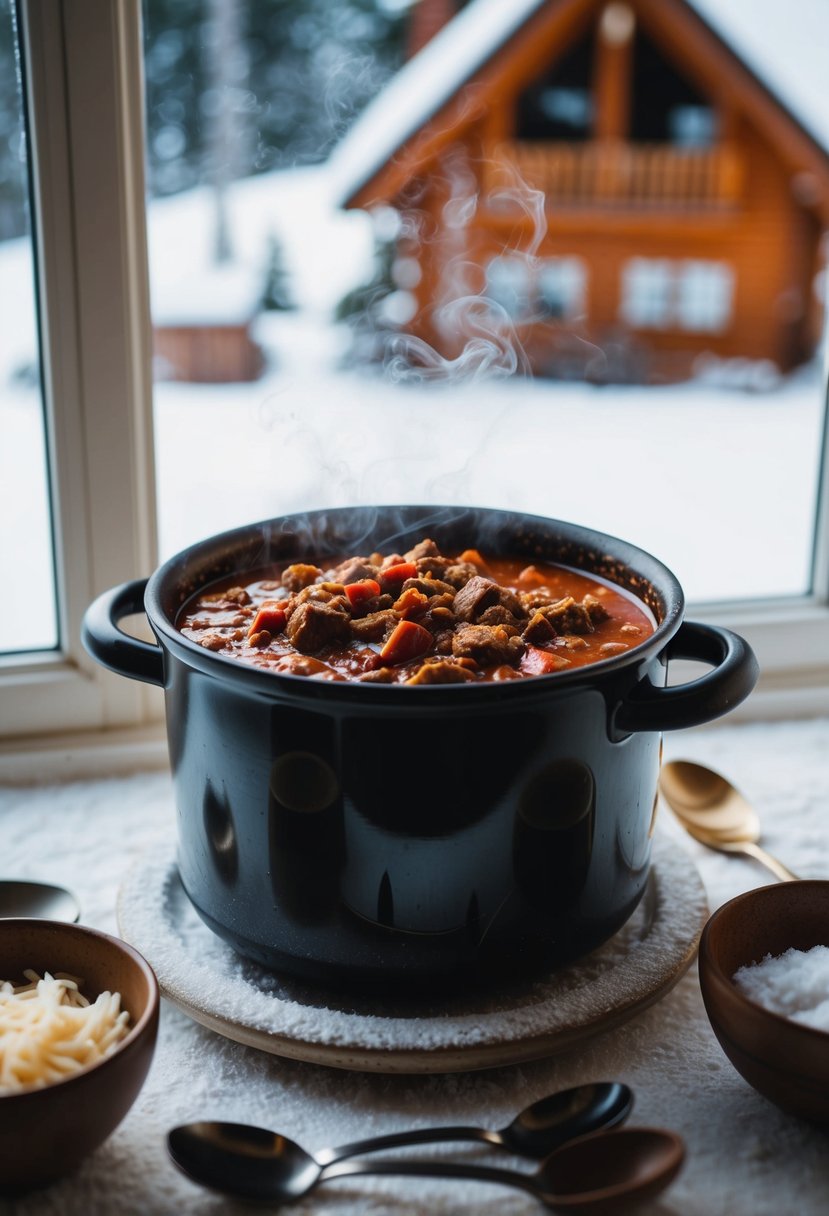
{"x":538,"y":662}
{"x":408,"y":641}
{"x":399,"y":573}
{"x":365,"y":589}
{"x":271,"y":616}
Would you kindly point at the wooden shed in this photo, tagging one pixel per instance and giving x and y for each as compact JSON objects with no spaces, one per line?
{"x":202,"y":327}
{"x":617,"y":183}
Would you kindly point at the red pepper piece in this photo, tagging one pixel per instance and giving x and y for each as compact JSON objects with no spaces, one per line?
{"x":399,"y":573}
{"x":358,"y":593}
{"x":271,"y":616}
{"x":408,"y":641}
{"x":538,"y":662}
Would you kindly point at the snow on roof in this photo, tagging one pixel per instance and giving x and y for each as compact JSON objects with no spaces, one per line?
{"x":214,"y":295}
{"x":782,"y":41}
{"x":422,"y":86}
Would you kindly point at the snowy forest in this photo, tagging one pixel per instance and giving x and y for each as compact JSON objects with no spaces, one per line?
{"x":235,"y":89}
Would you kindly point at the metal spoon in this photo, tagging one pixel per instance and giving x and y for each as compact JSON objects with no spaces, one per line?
{"x":37,"y":899}
{"x":592,"y":1174}
{"x":535,"y":1132}
{"x":715,"y":813}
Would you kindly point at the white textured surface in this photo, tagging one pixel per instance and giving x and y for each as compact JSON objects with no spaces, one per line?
{"x":744,"y":1156}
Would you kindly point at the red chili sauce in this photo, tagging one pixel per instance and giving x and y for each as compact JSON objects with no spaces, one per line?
{"x":416,"y":618}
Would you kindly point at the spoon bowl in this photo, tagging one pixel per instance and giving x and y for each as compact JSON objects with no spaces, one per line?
{"x":714,"y":813}
{"x":37,"y":900}
{"x":535,"y":1132}
{"x":263,"y":1167}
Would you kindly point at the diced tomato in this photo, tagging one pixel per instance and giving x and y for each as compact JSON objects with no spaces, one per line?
{"x":408,"y":641}
{"x":271,"y":616}
{"x":399,"y":573}
{"x":411,"y":602}
{"x":538,"y":662}
{"x":358,"y":593}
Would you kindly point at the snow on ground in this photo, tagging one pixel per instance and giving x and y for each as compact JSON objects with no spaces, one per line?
{"x":713,"y":480}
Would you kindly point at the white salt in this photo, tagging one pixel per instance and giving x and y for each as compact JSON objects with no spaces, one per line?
{"x":795,"y":984}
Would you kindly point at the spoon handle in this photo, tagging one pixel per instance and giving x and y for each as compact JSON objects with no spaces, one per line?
{"x":423,"y":1135}
{"x":437,"y":1169}
{"x":753,"y":850}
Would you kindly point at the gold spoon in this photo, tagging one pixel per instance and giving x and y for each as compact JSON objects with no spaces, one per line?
{"x":715,"y":813}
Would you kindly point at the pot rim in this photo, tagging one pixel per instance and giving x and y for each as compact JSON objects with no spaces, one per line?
{"x":654,"y":574}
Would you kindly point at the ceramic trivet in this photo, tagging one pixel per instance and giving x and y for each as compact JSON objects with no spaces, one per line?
{"x":237,"y":998}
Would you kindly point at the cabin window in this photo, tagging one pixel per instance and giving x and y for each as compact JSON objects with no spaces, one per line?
{"x":704,"y":293}
{"x":508,"y":285}
{"x":666,"y":107}
{"x":561,"y":287}
{"x":552,"y":288}
{"x":647,"y":291}
{"x":559,"y":105}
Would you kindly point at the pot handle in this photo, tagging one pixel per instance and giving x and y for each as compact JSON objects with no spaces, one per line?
{"x":712,"y":695}
{"x":114,"y":648}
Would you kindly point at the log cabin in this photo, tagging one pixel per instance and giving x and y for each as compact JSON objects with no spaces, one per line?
{"x":621,"y":188}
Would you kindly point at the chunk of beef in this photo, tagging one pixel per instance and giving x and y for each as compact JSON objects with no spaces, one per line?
{"x":353,"y":570}
{"x":540,"y":629}
{"x":459,"y":573}
{"x":568,"y":616}
{"x":429,"y":586}
{"x":300,"y":575}
{"x":441,"y":671}
{"x":313,"y":625}
{"x":488,"y":645}
{"x":475,"y":597}
{"x":375,"y":627}
{"x":434,"y":565}
{"x":498,"y":614}
{"x":423,"y":548}
{"x":381,"y":675}
{"x":480,"y":596}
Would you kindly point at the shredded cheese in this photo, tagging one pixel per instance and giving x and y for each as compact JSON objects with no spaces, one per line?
{"x":49,"y":1030}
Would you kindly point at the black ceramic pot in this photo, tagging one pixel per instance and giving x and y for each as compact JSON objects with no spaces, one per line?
{"x":350,"y":832}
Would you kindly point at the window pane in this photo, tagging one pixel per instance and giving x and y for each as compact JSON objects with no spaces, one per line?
{"x":27,"y":621}
{"x":323,"y":297}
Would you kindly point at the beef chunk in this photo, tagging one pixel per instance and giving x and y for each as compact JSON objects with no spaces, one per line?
{"x":353,"y":570}
{"x":476,"y":596}
{"x":459,"y":573}
{"x":568,"y":616}
{"x":540,"y":629}
{"x":434,"y":565}
{"x":429,"y":586}
{"x":375,"y":627}
{"x":300,"y":575}
{"x":381,"y":675}
{"x":313,"y":625}
{"x":499,"y":615}
{"x":480,"y":596}
{"x":423,"y":548}
{"x":441,"y":671}
{"x":488,"y":645}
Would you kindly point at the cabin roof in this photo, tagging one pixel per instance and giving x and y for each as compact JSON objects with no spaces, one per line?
{"x":782,"y":44}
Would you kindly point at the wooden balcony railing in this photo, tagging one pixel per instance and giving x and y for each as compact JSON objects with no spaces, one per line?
{"x":616,"y":174}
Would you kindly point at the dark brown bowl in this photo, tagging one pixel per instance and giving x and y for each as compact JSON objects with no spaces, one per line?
{"x":785,"y":1061}
{"x":45,"y":1133}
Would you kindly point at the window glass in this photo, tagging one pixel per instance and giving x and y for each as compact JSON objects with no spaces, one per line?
{"x":647,"y":293}
{"x":704,"y":295}
{"x":322,"y":295}
{"x":28,"y":618}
